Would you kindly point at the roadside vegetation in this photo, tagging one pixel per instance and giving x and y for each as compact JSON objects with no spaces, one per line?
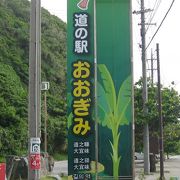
{"x":14,"y":62}
{"x":60,"y":156}
{"x":170,"y":113}
{"x":48,"y":178}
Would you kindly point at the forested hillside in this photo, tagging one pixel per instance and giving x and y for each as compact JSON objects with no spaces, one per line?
{"x":14,"y":57}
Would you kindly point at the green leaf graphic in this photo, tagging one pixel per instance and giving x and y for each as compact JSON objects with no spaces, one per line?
{"x":124,"y":99}
{"x":108,"y":86}
{"x":112,"y":110}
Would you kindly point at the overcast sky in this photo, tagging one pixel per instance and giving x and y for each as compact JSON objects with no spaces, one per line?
{"x":168,"y":36}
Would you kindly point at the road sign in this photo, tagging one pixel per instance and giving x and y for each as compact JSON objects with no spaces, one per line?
{"x":45,"y":86}
{"x":35,"y":161}
{"x":2,"y":171}
{"x":35,"y":146}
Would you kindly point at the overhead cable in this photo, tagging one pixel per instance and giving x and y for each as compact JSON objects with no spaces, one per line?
{"x":160,"y":24}
{"x":155,"y":8}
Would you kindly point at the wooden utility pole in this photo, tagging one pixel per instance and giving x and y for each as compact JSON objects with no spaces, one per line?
{"x":152,"y":69}
{"x":34,"y":108}
{"x":45,"y":122}
{"x":161,"y":148}
{"x":45,"y":87}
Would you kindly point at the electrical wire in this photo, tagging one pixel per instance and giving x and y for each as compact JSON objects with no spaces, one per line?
{"x":155,"y":8}
{"x":138,"y":2}
{"x":160,"y":24}
{"x":150,"y":13}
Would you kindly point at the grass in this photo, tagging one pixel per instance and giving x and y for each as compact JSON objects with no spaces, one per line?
{"x":174,"y":178}
{"x":2,"y":159}
{"x":64,"y":178}
{"x":47,"y":178}
{"x":60,"y":157}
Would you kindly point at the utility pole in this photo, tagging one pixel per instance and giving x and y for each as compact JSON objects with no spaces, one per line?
{"x":45,"y":122}
{"x":152,"y":68}
{"x":34,"y":108}
{"x":145,"y":91}
{"x":160,"y":117}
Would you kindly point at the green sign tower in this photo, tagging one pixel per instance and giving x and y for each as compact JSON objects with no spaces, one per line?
{"x":100,"y":90}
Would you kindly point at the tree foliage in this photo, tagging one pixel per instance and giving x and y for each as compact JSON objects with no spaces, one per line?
{"x":171,"y":138}
{"x":170,"y":113}
{"x":14,"y":62}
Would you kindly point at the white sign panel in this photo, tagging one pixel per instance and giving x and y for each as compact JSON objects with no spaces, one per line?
{"x":45,"y":86}
{"x":35,"y":145}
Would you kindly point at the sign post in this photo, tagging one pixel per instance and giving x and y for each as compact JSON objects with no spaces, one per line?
{"x":45,"y":87}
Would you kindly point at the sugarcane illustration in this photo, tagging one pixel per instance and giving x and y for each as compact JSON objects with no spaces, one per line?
{"x":83,"y":4}
{"x":113,"y":108}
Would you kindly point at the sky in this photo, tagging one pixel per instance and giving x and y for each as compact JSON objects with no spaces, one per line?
{"x":168,"y":36}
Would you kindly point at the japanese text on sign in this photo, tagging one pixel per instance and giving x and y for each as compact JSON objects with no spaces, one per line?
{"x":82,"y":100}
{"x":81,"y":57}
{"x":81,"y":33}
{"x":35,"y":161}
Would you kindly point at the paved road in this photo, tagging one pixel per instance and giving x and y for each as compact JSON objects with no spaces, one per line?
{"x":60,"y":168}
{"x":171,"y":169}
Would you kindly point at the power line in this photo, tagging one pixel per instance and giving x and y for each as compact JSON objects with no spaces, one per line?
{"x":155,"y":8}
{"x":138,"y":2}
{"x":149,"y":14}
{"x":160,"y":24}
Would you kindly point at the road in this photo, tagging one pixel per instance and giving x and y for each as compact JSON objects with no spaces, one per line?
{"x":171,"y":169}
{"x":60,"y":168}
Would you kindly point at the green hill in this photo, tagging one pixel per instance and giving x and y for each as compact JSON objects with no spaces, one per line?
{"x":14,"y":57}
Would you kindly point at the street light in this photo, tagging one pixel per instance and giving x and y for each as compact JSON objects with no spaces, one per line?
{"x":45,"y":87}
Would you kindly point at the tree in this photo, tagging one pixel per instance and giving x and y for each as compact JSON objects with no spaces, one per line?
{"x":14,"y":61}
{"x":171,"y":138}
{"x":170,"y":111}
{"x":13,"y":112}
